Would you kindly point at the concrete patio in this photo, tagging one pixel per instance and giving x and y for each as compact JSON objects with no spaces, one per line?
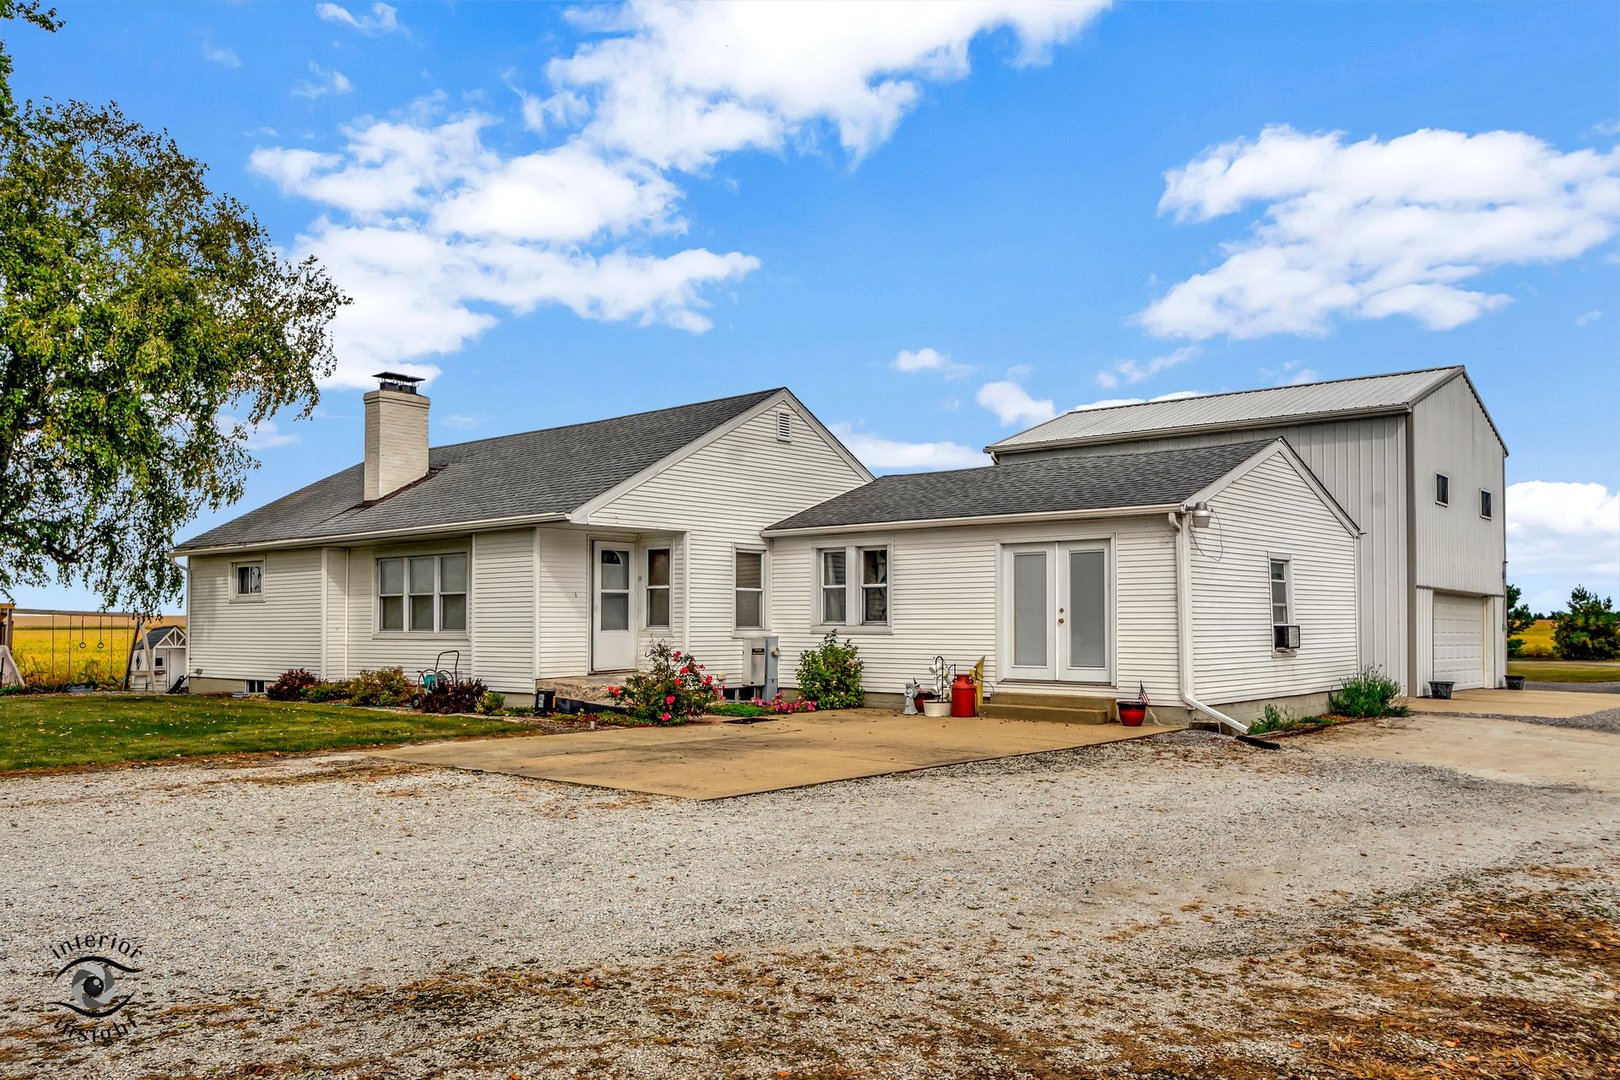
{"x":1547,"y":704}
{"x":720,"y":761}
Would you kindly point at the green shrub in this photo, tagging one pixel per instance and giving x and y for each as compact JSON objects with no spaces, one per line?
{"x":1515,"y":647}
{"x":328,"y":691}
{"x":387,"y":687}
{"x":291,"y":685}
{"x":736,"y":708}
{"x":451,"y":696}
{"x":830,"y":674}
{"x":1367,"y":693}
{"x":492,"y":702}
{"x":672,"y":690}
{"x":1274,"y":719}
{"x":1589,"y":630}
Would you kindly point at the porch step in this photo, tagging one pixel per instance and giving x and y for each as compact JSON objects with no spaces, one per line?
{"x":1058,"y":708}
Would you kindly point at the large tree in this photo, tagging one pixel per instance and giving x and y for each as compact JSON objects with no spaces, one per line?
{"x":146,"y":326}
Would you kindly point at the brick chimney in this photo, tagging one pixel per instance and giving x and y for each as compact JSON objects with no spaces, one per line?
{"x":396,"y":435}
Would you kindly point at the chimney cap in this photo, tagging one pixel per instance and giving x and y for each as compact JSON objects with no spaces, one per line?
{"x":393,"y":380}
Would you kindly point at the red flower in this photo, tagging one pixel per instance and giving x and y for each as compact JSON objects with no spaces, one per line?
{"x":670,"y":700}
{"x":666,"y":718}
{"x":614,"y":690}
{"x":676,"y":655}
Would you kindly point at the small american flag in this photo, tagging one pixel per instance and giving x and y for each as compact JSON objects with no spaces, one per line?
{"x":1142,"y":694}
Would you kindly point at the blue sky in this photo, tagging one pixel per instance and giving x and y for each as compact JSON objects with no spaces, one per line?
{"x":937,"y":224}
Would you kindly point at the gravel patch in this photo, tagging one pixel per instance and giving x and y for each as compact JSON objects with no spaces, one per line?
{"x":369,"y":918}
{"x":1607,"y":720}
{"x":1576,"y":687}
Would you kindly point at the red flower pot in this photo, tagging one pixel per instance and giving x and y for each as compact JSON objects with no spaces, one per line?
{"x":1132,"y":713}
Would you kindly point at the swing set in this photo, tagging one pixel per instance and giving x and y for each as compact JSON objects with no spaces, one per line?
{"x":69,"y":650}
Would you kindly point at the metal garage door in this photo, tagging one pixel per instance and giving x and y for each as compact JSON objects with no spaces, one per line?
{"x":1459,"y":640}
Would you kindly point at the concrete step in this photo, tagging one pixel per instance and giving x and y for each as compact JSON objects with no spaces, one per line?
{"x":1053,"y":700}
{"x":1000,"y":711}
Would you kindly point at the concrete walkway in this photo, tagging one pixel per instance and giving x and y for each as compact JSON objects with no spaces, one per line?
{"x":1495,"y":749}
{"x":719,"y":761}
{"x":1550,"y":704}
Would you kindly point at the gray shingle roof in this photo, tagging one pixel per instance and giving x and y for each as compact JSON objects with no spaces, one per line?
{"x":1045,"y":485}
{"x":553,"y":471}
{"x":1369,"y":393}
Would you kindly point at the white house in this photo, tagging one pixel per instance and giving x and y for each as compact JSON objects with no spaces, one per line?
{"x":1415,"y":460}
{"x":1219,"y":578}
{"x":543,"y":555}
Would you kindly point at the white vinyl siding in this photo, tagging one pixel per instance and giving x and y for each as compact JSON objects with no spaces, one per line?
{"x":717,"y":499}
{"x":1269,"y":515}
{"x":565,"y":602}
{"x":943,"y":597}
{"x":1363,"y":464}
{"x":259,"y":640}
{"x":501,"y":611}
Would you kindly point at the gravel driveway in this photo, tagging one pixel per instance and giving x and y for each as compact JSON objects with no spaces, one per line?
{"x":1103,"y":911}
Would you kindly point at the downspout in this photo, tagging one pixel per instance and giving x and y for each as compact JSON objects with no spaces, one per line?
{"x":1184,"y":627}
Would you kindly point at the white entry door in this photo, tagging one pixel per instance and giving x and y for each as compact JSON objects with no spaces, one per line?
{"x":613,"y":636}
{"x":1057,"y":612}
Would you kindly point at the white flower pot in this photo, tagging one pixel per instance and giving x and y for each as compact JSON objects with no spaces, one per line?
{"x":936,"y":708}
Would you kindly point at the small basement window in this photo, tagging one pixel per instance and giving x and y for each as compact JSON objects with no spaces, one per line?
{"x":1485,"y":505}
{"x":1442,"y":489}
{"x":254,"y":686}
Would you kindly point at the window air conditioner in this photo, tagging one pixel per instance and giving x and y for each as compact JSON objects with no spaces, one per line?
{"x":1285,"y":636}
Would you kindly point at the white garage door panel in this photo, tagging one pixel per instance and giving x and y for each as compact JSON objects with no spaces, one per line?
{"x":1459,"y":640}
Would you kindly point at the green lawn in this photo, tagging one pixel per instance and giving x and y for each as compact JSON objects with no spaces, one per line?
{"x":47,"y":731}
{"x":1566,"y":670}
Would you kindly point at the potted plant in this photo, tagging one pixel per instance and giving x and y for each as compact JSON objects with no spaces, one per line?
{"x":1515,"y":682}
{"x":933,"y":706}
{"x":1441,"y":688}
{"x":1132,"y":712}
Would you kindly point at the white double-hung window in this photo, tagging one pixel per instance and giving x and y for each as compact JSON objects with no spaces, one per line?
{"x":854,"y":586}
{"x":423,"y":594}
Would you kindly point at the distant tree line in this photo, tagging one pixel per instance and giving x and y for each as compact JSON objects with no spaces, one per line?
{"x":1588,"y":629}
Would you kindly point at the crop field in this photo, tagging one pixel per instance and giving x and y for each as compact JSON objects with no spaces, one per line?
{"x":1538,"y":639}
{"x":73,"y":650}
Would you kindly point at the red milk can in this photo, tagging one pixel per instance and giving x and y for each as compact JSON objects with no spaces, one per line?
{"x":962,"y":696}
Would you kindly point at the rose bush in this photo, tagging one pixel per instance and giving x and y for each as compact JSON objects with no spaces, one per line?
{"x":673,"y":689}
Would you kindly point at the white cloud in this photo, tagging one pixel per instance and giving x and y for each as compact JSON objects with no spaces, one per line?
{"x":1012,"y":404}
{"x":912,"y":361}
{"x":890,"y":455}
{"x":224,"y":57}
{"x":1371,"y":229}
{"x":679,"y":84}
{"x":1588,"y":318}
{"x":1133,"y":371}
{"x":262,"y":436}
{"x":437,"y":235}
{"x":434,"y":234}
{"x":382,"y":20}
{"x":329,"y":82}
{"x":1109,"y":403}
{"x":462,"y":422}
{"x":1570,"y":529}
{"x":1290,"y":373}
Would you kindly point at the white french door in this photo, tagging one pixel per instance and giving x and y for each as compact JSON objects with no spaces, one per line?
{"x":1057,"y":612}
{"x":613,"y":635}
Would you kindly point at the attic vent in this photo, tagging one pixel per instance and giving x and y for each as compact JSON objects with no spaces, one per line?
{"x":784,"y":427}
